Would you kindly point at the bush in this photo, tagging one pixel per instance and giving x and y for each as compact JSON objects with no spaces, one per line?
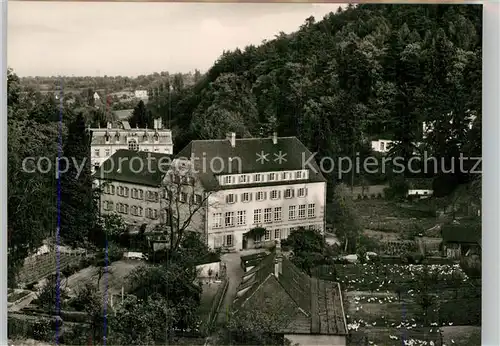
{"x":372,"y":196}
{"x":379,"y":195}
{"x":359,"y":196}
{"x":42,"y":330}
{"x":115,"y":253}
{"x":412,"y":258}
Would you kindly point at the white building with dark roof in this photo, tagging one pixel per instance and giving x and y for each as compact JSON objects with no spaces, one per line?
{"x":106,"y":141}
{"x":272,"y":183}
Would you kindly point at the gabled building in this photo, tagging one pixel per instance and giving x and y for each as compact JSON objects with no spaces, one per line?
{"x":272,"y":183}
{"x":131,"y":191}
{"x":311,"y":310}
{"x":106,"y":141}
{"x":461,"y":239}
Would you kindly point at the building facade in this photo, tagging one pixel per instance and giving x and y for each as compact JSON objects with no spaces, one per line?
{"x":135,"y":195}
{"x":106,"y":142}
{"x":272,"y":183}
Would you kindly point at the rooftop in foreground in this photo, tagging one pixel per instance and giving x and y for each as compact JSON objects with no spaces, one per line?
{"x":314,"y":306}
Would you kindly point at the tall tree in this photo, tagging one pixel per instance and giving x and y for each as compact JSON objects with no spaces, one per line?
{"x":78,"y":199}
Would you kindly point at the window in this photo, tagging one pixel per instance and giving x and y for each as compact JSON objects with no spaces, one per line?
{"x":289,"y":193}
{"x":246,"y":197}
{"x":298,"y":175}
{"x":96,"y":152}
{"x":267,"y":235}
{"x":119,"y":190}
{"x":382,"y":146}
{"x":183,"y":197}
{"x":243,"y":179}
{"x":241,"y":218}
{"x":231,"y":198}
{"x":218,"y":241}
{"x":275,"y":194}
{"x":228,"y":179}
{"x":277,"y":234}
{"x":125,"y":192}
{"x":272,"y":176}
{"x":96,"y":166}
{"x":132,"y":145}
{"x":302,"y":211}
{"x":257,"y":216}
{"x":125,"y":209}
{"x":311,"y":209}
{"x":107,"y":152}
{"x":111,"y":189}
{"x":141,"y":211}
{"x":229,"y":219}
{"x":157,"y":150}
{"x":256,"y":178}
{"x":140,"y":194}
{"x":261,"y":196}
{"x":148,"y":212}
{"x":217,"y":220}
{"x":155,"y":214}
{"x":302,"y":192}
{"x":134,"y":193}
{"x":277,"y":214}
{"x":197,"y":198}
{"x":152,"y":196}
{"x":292,"y":212}
{"x":133,"y":210}
{"x":228,"y":240}
{"x":268,"y":215}
{"x":284,"y":175}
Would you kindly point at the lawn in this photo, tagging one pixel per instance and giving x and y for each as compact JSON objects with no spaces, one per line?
{"x":113,"y":280}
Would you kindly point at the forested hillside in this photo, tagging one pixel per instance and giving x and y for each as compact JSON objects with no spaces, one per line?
{"x":370,"y":71}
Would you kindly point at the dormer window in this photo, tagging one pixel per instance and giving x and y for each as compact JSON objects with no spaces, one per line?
{"x":117,"y":136}
{"x":145,"y":137}
{"x":132,"y":145}
{"x":156,"y":137}
{"x":107,"y":137}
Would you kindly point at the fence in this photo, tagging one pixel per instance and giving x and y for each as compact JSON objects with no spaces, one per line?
{"x":38,"y":267}
{"x":214,"y":311}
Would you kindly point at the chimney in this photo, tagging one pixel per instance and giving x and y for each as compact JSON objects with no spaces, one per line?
{"x":278,"y":259}
{"x":275,"y":138}
{"x":109,"y":125}
{"x":231,"y":137}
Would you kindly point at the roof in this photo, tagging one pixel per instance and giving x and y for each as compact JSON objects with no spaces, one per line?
{"x":314,"y":306}
{"x":464,"y":232}
{"x":123,"y":114}
{"x":247,"y":150}
{"x":120,"y":167}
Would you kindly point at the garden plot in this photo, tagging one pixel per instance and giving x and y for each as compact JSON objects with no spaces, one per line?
{"x":382,"y":302}
{"x":393,"y":277}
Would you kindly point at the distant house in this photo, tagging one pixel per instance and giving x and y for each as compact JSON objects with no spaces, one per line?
{"x":141,"y":94}
{"x":381,"y":145}
{"x":420,"y":188}
{"x":313,"y":308}
{"x":460,"y":239}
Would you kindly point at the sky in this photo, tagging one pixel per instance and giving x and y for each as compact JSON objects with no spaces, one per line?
{"x":130,"y":39}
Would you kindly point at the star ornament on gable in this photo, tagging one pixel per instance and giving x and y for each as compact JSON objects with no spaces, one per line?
{"x":280,"y":157}
{"x":262,"y":157}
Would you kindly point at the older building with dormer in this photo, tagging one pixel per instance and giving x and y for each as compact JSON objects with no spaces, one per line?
{"x":107,"y":141}
{"x":272,"y":183}
{"x":131,"y":185}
